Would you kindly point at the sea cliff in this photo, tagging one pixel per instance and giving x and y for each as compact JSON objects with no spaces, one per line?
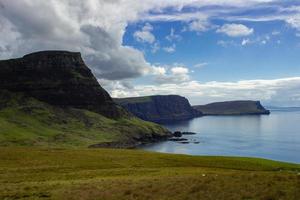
{"x":159,"y":108}
{"x":233,"y":108}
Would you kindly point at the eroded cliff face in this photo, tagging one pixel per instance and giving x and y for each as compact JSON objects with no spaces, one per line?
{"x":160,"y":108}
{"x":59,"y":78}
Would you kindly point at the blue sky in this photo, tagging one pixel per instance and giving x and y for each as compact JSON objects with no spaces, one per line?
{"x":272,"y":51}
{"x":205,"y":50}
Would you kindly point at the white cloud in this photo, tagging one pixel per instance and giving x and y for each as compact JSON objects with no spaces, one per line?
{"x":200,"y":25}
{"x":200,"y":65}
{"x":157,"y":70}
{"x":118,"y":88}
{"x":294,"y":21}
{"x":145,"y":35}
{"x":170,"y":49}
{"x":224,"y":43}
{"x":179,"y":70}
{"x":263,"y":40}
{"x":221,"y":6}
{"x":288,"y":14}
{"x":155,"y":47}
{"x":276,"y":33}
{"x":235,"y":30}
{"x":62,"y":22}
{"x":173,"y":36}
{"x":259,"y":40}
{"x":280,"y":92}
{"x":175,"y":74}
{"x":246,"y":42}
{"x":95,"y":28}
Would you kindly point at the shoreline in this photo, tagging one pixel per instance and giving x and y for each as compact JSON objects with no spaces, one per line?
{"x":128,"y":144}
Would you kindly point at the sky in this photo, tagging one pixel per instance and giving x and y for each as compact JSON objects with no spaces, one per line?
{"x":205,"y":50}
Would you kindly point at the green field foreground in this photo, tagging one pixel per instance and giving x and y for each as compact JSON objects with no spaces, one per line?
{"x":100,"y":174}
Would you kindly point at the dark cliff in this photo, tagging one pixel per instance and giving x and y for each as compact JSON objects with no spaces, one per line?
{"x":233,"y":108}
{"x":160,"y":108}
{"x":59,"y":78}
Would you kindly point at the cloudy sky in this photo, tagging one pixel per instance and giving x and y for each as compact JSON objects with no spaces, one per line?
{"x":206,"y":50}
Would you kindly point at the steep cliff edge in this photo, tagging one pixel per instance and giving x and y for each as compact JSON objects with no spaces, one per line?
{"x":59,"y":78}
{"x":51,"y":98}
{"x":159,"y":108}
{"x":233,"y":108}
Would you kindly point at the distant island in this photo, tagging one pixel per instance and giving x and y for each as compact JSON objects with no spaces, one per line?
{"x":233,"y":108}
{"x":159,"y":108}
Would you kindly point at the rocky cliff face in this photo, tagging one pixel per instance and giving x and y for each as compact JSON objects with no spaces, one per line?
{"x":159,"y":108}
{"x":59,"y":78}
{"x":233,"y":108}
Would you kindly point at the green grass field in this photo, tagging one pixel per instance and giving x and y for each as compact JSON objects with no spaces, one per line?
{"x":110,"y":174}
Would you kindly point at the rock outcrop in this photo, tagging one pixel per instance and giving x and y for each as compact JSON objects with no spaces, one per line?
{"x":59,"y":78}
{"x":233,"y":108}
{"x":160,"y":108}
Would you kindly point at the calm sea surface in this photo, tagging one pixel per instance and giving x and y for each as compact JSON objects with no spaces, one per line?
{"x":276,"y":136}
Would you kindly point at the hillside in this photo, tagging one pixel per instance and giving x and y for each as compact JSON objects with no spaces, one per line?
{"x":52,"y":99}
{"x":27,"y":121}
{"x":159,"y":108}
{"x":59,"y":78}
{"x":109,"y":174}
{"x":233,"y":108}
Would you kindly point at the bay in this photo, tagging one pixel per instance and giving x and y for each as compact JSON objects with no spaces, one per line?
{"x":275,"y":136}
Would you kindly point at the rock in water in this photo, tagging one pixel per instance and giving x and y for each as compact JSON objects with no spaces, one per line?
{"x":59,"y":78}
{"x":177,"y":134}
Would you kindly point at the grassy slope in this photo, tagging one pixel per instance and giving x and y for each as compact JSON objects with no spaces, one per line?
{"x":36,"y":173}
{"x":26,"y":121}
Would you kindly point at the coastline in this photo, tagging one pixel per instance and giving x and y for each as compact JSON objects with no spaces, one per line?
{"x":133,"y":144}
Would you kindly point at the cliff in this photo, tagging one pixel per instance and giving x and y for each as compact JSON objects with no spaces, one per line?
{"x":59,"y":78}
{"x":51,"y":98}
{"x":233,"y":108}
{"x":160,"y":108}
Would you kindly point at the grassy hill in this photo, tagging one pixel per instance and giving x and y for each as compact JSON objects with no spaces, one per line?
{"x":110,"y":174}
{"x":27,"y":121}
